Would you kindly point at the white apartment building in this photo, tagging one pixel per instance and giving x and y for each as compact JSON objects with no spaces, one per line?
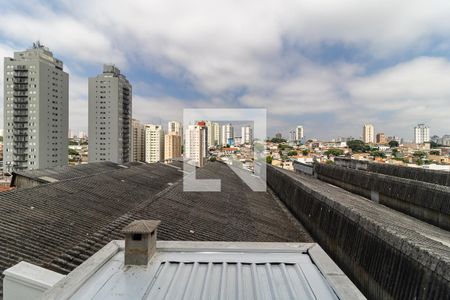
{"x":175,"y":127}
{"x":213,"y":133}
{"x":194,"y":150}
{"x":35,"y":110}
{"x":227,"y":134}
{"x":247,"y":135}
{"x":299,"y":134}
{"x":368,"y":133}
{"x":421,"y":134}
{"x":154,"y":143}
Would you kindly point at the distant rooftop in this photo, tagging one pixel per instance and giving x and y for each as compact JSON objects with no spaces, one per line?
{"x":111,"y":69}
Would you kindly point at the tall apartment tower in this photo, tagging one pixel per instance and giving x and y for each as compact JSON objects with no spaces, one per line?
{"x":138,"y":140}
{"x":381,"y":138}
{"x":175,"y":127}
{"x":213,"y":133}
{"x":216,"y":134}
{"x":368,"y":133}
{"x":36,"y":110}
{"x":421,"y":134}
{"x":227,"y":134}
{"x":194,"y":151}
{"x":299,"y":134}
{"x":247,"y":135}
{"x":154,"y":143}
{"x":110,"y":123}
{"x":172,"y":146}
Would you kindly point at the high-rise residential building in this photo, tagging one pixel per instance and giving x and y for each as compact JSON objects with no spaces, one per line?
{"x":36,"y":110}
{"x":205,"y":142}
{"x":278,"y":135}
{"x":445,"y":140}
{"x":154,"y":143}
{"x":138,"y":140}
{"x":216,"y":130}
{"x":110,"y":103}
{"x":421,"y":134}
{"x":247,"y":135}
{"x":175,"y":127}
{"x":381,"y":138}
{"x":227,"y":134}
{"x":194,"y":151}
{"x":172,"y":146}
{"x":299,"y":134}
{"x":213,"y":133}
{"x":368,"y":133}
{"x":394,"y":138}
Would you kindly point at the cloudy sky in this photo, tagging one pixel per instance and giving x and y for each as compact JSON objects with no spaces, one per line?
{"x":325,"y":64}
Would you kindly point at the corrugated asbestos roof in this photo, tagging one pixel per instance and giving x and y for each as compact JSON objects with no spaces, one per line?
{"x":69,"y":172}
{"x":59,"y":225}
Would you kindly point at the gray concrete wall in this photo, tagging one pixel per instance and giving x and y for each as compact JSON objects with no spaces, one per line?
{"x":22,"y":182}
{"x":419,"y":174}
{"x":303,"y":168}
{"x":425,"y":201}
{"x":386,"y":261}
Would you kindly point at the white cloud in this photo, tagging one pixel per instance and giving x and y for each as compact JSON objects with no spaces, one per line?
{"x":63,"y":33}
{"x":78,"y":102}
{"x":5,"y":51}
{"x":258,"y":48}
{"x":413,"y":91}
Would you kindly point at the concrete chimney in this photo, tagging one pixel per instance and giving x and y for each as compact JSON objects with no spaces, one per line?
{"x":140,"y":241}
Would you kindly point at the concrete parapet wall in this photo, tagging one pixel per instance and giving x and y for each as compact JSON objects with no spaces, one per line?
{"x":419,"y":174}
{"x":303,"y":168}
{"x":381,"y":250}
{"x":425,"y":201}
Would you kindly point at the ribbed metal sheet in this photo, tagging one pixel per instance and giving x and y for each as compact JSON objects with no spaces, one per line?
{"x":178,"y":280}
{"x":211,"y":276}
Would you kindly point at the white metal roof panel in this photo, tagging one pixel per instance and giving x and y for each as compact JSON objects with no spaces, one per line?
{"x":210,"y":275}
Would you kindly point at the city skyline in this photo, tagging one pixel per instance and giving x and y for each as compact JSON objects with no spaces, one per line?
{"x":302,"y":68}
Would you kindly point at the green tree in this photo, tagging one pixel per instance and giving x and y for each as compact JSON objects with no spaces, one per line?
{"x":334,"y":152}
{"x":73,"y":152}
{"x":284,"y":146}
{"x":305,"y":152}
{"x":278,"y":140}
{"x":269,"y":159}
{"x":420,"y":154}
{"x":212,"y":158}
{"x":378,"y":153}
{"x":393,"y":144}
{"x":358,"y":146}
{"x":396,"y":153}
{"x":292,"y":153}
{"x":435,"y":145}
{"x":435,"y":152}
